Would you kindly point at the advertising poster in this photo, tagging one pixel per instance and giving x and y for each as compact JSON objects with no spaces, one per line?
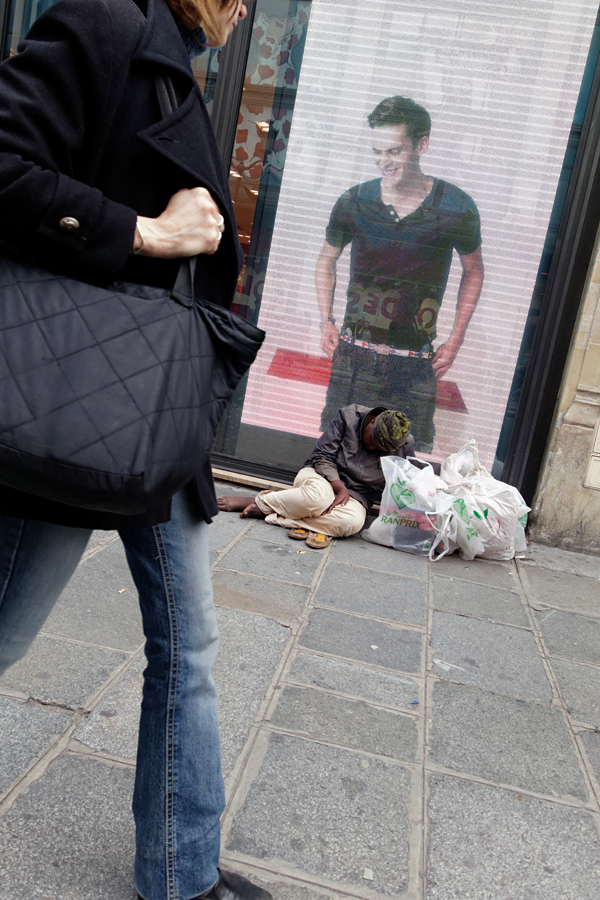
{"x":422,"y":166}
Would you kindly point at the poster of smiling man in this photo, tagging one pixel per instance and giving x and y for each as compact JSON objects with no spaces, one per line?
{"x":403,"y":228}
{"x":424,"y":159}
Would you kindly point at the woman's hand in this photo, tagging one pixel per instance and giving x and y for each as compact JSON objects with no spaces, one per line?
{"x":190,"y":224}
{"x":341,"y":496}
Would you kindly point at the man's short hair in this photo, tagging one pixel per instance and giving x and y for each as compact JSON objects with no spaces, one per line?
{"x":402,"y":111}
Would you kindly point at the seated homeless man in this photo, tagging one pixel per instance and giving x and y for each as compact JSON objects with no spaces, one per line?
{"x":336,"y":487}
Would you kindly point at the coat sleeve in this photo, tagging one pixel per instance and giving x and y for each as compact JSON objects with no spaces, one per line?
{"x":323,"y":458}
{"x":55,"y":96}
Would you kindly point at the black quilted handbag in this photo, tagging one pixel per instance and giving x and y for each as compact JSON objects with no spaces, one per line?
{"x":110,"y":397}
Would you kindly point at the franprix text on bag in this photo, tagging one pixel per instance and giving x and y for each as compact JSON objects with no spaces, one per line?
{"x":407,"y":505}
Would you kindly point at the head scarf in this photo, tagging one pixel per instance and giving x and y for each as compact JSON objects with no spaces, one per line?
{"x":390,"y":430}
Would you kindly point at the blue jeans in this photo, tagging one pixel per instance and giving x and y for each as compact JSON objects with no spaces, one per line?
{"x":359,"y":375}
{"x":179,"y":793}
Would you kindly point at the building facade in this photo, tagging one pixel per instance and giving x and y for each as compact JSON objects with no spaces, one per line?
{"x":566,"y":510}
{"x":450,"y":270}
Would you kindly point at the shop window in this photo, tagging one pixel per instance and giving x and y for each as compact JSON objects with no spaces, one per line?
{"x":501,"y":84}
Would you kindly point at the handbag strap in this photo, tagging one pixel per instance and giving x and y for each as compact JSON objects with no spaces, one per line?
{"x":183,"y":289}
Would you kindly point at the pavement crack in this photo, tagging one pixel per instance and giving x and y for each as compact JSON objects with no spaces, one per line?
{"x":52,"y":704}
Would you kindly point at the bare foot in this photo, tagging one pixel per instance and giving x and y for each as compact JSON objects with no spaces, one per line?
{"x":252,"y":512}
{"x":234,"y":503}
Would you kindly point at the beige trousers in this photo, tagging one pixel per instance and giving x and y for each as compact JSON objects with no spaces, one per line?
{"x":303,"y":504}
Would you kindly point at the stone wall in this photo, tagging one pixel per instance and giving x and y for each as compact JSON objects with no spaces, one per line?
{"x":566,"y":510}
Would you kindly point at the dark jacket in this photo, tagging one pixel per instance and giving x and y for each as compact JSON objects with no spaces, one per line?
{"x":81,"y":136}
{"x":340,"y":454}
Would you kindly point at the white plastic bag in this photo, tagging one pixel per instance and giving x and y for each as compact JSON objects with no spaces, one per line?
{"x":480,"y":515}
{"x":407,"y":512}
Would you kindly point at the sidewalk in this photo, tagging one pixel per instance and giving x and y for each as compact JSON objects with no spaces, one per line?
{"x":390,"y":727}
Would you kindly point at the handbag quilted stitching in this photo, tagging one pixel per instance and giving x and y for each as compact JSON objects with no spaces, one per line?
{"x":111,"y":396}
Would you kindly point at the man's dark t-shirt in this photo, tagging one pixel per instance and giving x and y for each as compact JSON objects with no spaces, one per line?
{"x":399,"y":267}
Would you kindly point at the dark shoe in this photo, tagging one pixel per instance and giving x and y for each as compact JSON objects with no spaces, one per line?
{"x":235,"y":887}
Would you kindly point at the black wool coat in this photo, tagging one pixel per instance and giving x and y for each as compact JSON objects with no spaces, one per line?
{"x":82,"y":136}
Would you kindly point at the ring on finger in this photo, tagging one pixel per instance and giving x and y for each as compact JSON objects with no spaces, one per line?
{"x":220,"y":222}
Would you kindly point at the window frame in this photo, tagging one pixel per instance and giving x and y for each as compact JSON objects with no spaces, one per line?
{"x":559,"y":310}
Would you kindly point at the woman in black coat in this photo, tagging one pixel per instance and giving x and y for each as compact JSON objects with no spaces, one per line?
{"x":96,"y":185}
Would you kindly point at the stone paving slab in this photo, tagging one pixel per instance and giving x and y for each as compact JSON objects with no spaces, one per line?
{"x":379,"y":594}
{"x":112,"y":727}
{"x":356,"y":680}
{"x":482,"y":571}
{"x":561,"y":561}
{"x":492,"y":657}
{"x":328,"y":812}
{"x":91,"y":607}
{"x":284,"y":602}
{"x":580,"y":687}
{"x":287,"y":562}
{"x":575,"y":637}
{"x":591,"y":742}
{"x":225,"y":488}
{"x":470,"y":599}
{"x":26,"y":732}
{"x":98,"y":540}
{"x":364,"y":640}
{"x":490,"y":844}
{"x":251,"y":648}
{"x":355,"y":551}
{"x":71,"y":836}
{"x":264,"y":531}
{"x":548,"y":587}
{"x":280,"y":889}
{"x":63,"y":672}
{"x":508,"y":741}
{"x":224,"y":528}
{"x":350,"y":722}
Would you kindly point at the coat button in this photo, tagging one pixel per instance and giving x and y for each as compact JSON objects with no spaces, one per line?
{"x":68,"y":223}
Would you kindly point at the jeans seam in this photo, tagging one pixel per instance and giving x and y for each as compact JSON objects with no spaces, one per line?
{"x":170,"y":768}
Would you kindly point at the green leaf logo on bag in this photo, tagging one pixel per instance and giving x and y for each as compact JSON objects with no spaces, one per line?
{"x":402,"y":496}
{"x":461,"y":508}
{"x":471,"y":533}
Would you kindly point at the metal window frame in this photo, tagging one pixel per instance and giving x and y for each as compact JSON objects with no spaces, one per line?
{"x":4,"y":14}
{"x":567,"y":278}
{"x":229,"y":87}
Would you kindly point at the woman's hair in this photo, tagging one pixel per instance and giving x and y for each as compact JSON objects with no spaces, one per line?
{"x":201,"y":12}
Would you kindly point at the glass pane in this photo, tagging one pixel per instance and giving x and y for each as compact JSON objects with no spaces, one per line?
{"x":24,"y":13}
{"x":388,"y":227}
{"x":206,"y":70}
{"x":264,"y":125}
{"x":516,"y":389}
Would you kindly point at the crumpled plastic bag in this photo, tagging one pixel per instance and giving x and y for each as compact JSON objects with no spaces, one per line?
{"x":407,"y":511}
{"x":477,"y":514}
